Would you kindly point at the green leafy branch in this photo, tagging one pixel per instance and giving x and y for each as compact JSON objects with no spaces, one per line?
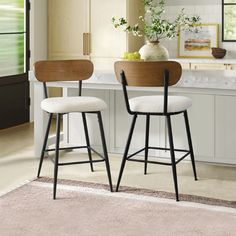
{"x":154,"y":26}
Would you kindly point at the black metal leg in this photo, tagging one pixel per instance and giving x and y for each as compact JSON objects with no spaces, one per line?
{"x":126,"y":152}
{"x":87,"y":140}
{"x":105,"y":149}
{"x":146,"y":142}
{"x":56,"y":155}
{"x":172,"y":153}
{"x":44,"y":144}
{"x":190,"y":144}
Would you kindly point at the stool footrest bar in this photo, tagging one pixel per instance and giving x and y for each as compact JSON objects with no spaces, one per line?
{"x":151,"y":162}
{"x":66,"y":148}
{"x":156,"y":162}
{"x":168,"y":149}
{"x":128,"y":157}
{"x":78,"y":162}
{"x":100,"y":155}
{"x":155,"y":148}
{"x":78,"y":147}
{"x":182,"y":158}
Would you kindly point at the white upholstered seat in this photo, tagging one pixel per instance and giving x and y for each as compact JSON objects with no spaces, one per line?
{"x":155,"y":104}
{"x":73,"y":104}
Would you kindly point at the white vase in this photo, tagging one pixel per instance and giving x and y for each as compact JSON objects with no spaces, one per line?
{"x":154,"y":51}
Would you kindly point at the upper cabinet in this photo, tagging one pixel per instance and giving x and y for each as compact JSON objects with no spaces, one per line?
{"x":83,"y":29}
{"x":67,"y":21}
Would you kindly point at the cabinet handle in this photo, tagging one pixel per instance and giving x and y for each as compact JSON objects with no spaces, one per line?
{"x":86,"y":44}
{"x":89,"y":43}
{"x":85,"y":47}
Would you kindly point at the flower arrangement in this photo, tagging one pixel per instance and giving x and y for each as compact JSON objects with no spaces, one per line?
{"x":154,"y":26}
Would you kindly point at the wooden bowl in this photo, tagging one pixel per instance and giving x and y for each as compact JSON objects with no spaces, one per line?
{"x":218,"y":53}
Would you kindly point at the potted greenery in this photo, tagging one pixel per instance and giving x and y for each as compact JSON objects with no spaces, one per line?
{"x":155,"y":27}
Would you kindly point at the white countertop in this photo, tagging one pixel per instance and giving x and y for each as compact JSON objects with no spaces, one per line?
{"x":190,"y":78}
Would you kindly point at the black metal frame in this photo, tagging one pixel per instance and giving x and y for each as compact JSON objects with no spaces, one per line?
{"x":57,"y":148}
{"x":223,"y":20}
{"x":172,"y":150}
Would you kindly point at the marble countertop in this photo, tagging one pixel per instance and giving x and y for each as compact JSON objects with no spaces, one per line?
{"x":190,"y":79}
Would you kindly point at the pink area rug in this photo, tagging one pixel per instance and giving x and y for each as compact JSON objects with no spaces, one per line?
{"x":90,"y":209}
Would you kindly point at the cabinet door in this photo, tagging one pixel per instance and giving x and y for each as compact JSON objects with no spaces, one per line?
{"x":107,"y":43}
{"x":205,"y":66}
{"x":201,"y":119}
{"x":67,"y":21}
{"x":123,"y":122}
{"x":225,"y":129}
{"x":75,"y":130}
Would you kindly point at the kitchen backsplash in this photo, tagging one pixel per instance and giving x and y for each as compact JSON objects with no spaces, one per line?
{"x":208,"y":14}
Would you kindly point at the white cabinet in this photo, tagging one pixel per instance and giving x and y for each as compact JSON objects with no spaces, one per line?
{"x":117,"y":123}
{"x":67,"y":21}
{"x":106,"y":41}
{"x":73,"y":125}
{"x":211,"y":119}
{"x":201,"y":120}
{"x":225,"y":113}
{"x":82,"y":28}
{"x":123,"y":122}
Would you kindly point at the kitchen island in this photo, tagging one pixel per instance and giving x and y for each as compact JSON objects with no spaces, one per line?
{"x":211,"y":84}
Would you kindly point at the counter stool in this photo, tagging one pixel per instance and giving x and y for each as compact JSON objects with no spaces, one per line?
{"x":70,"y":70}
{"x":154,"y":74}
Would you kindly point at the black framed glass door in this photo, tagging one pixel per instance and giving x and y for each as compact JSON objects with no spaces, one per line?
{"x":14,"y":62}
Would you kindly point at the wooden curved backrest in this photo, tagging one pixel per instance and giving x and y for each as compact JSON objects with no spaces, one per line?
{"x":63,"y":70}
{"x":148,"y":73}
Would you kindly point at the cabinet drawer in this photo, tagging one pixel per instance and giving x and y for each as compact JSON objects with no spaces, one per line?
{"x":204,"y":66}
{"x":185,"y":66}
{"x":231,"y":67}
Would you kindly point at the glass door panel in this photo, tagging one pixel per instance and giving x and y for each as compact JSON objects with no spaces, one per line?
{"x":12,"y":59}
{"x":12,"y":37}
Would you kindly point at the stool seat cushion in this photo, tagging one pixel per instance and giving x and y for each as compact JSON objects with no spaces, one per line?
{"x":155,"y":104}
{"x":72,"y":104}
